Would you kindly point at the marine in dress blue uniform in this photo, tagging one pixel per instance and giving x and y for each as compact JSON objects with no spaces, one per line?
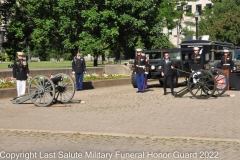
{"x":20,"y":73}
{"x":78,"y":69}
{"x":227,"y":63}
{"x":140,"y":65}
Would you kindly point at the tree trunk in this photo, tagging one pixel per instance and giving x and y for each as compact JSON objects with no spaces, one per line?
{"x":95,"y":61}
{"x":103,"y":58}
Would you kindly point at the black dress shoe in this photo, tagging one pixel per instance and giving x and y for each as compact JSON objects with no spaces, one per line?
{"x":164,"y":93}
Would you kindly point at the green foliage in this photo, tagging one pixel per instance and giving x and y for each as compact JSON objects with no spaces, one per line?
{"x":94,"y":26}
{"x":4,"y":57}
{"x":10,"y":82}
{"x":222,"y":22}
{"x":171,"y":17}
{"x":187,"y":32}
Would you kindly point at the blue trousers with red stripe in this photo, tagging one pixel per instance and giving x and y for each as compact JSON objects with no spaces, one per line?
{"x":140,"y":82}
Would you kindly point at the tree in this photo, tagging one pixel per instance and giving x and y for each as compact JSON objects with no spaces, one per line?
{"x":172,"y":14}
{"x":222,"y":22}
{"x":52,"y":28}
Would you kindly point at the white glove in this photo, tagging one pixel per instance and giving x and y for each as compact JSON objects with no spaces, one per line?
{"x":146,"y":73}
{"x":85,"y":72}
{"x":73,"y":72}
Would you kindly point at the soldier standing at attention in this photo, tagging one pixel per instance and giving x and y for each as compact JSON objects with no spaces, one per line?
{"x":146,"y":73}
{"x":227,"y":63}
{"x":167,"y":73}
{"x":139,"y":68}
{"x":78,"y":69}
{"x":20,"y":73}
{"x":196,"y":61}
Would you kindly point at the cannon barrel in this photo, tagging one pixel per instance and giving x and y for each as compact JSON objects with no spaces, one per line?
{"x":56,"y":79}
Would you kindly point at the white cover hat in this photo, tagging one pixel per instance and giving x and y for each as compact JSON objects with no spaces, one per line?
{"x":225,"y":50}
{"x":20,"y":53}
{"x":139,"y":50}
{"x":195,"y":48}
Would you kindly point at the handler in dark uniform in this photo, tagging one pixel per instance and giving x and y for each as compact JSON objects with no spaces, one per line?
{"x":196,"y":61}
{"x":146,"y":71}
{"x":227,"y":63}
{"x":20,"y":73}
{"x":140,"y":65}
{"x":167,"y":73}
{"x":78,"y":69}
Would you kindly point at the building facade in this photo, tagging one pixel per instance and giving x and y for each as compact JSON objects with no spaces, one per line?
{"x":176,"y":35}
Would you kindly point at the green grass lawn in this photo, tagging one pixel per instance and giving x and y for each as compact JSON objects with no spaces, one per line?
{"x":48,"y":64}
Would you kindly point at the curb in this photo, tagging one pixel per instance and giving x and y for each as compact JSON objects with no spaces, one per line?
{"x":12,"y":92}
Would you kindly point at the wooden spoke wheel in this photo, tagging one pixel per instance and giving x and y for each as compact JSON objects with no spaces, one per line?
{"x":41,"y":91}
{"x":65,"y":89}
{"x":202,"y":84}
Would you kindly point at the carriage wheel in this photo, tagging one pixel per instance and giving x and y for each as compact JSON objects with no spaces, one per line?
{"x":65,"y":89}
{"x":202,"y":84}
{"x":221,"y":81}
{"x":41,"y":91}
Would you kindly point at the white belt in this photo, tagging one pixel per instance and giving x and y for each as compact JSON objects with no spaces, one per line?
{"x":141,"y":66}
{"x":226,"y":64}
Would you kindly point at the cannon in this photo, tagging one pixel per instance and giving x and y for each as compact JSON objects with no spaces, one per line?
{"x":203,"y":84}
{"x":44,"y":91}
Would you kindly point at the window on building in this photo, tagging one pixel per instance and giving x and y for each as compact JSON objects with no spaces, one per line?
{"x":179,"y":8}
{"x":179,"y":29}
{"x":208,"y":6}
{"x":199,"y":8}
{"x":170,"y":31}
{"x":189,"y":8}
{"x":189,"y":27}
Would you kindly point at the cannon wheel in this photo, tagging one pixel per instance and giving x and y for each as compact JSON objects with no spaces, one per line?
{"x":204,"y":86}
{"x":221,"y":82}
{"x":41,"y":91}
{"x":65,"y":89}
{"x":134,"y":80}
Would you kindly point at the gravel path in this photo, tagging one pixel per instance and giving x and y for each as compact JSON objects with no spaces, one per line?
{"x":119,"y":119}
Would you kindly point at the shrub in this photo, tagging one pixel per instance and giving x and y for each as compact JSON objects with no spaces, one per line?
{"x":9,"y":82}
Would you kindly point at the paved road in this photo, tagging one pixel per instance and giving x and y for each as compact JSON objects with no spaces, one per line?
{"x":119,"y":119}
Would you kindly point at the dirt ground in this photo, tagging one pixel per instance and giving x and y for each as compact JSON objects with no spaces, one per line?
{"x":119,"y":124}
